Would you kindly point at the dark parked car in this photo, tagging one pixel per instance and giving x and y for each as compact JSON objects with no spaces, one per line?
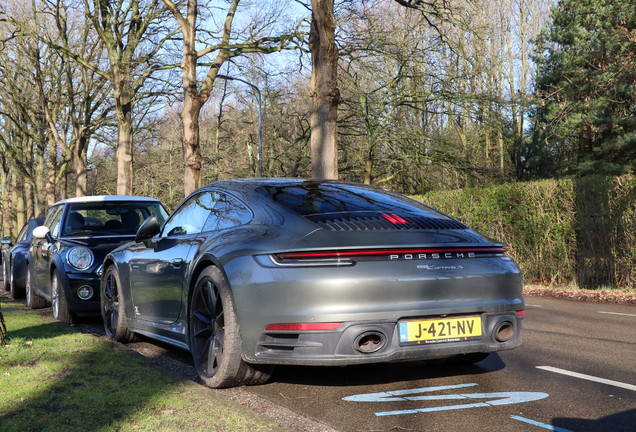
{"x":66,"y":255}
{"x":252,"y":273}
{"x":14,"y":261}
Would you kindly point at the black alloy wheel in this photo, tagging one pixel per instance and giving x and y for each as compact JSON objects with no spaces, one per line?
{"x":112,"y":307}
{"x":214,"y":339}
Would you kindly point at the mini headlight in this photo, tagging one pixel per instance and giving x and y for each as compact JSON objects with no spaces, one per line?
{"x":79,"y":258}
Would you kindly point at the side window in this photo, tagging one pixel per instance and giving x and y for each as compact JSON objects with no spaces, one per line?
{"x":228,"y":212}
{"x":23,"y":234}
{"x":55,"y":223}
{"x":191,"y":217}
{"x":51,"y":214}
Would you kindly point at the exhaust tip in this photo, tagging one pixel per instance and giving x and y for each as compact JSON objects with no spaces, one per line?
{"x":504,"y":331}
{"x":369,"y":342}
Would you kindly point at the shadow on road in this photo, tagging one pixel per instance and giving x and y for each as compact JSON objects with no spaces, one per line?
{"x":620,"y":422}
{"x":380,"y":373}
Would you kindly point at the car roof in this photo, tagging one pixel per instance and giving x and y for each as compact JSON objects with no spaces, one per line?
{"x":105,"y":198}
{"x":251,"y":183}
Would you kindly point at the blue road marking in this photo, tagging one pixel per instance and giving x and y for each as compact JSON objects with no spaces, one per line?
{"x":543,"y":425}
{"x":392,"y":396}
{"x":500,"y":398}
{"x":505,"y":398}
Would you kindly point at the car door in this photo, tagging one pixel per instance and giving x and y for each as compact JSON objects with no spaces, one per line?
{"x":159,"y":267}
{"x":41,"y":251}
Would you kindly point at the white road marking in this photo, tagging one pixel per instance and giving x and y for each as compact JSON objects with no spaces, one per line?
{"x":500,"y":398}
{"x":616,"y":313}
{"x":589,"y":377}
{"x":543,"y":425}
{"x":532,"y":305}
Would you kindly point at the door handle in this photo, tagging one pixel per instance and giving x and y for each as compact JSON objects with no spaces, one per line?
{"x":176,"y":262}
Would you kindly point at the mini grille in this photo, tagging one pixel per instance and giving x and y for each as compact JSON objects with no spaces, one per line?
{"x":374,"y":223}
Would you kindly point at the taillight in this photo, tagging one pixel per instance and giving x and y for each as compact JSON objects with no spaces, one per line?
{"x":521,"y":313}
{"x":333,"y":258}
{"x":303,"y":327}
{"x":440,"y":252}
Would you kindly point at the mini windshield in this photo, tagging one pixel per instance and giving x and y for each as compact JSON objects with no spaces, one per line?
{"x":110,"y":218}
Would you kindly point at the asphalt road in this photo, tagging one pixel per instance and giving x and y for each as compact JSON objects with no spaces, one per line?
{"x":575,"y":371}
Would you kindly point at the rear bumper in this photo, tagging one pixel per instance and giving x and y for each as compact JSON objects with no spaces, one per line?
{"x":342,"y":347}
{"x":367,"y":297}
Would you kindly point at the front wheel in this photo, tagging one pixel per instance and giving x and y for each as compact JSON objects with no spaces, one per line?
{"x":215,"y":342}
{"x":61,"y":311}
{"x":112,"y":307}
{"x":34,"y":301}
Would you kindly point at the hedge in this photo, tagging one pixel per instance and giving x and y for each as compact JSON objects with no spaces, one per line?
{"x":560,"y":232}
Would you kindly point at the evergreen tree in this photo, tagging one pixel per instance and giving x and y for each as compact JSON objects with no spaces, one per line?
{"x":585,"y":119}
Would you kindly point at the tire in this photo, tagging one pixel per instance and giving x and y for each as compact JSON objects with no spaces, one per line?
{"x":5,"y":282}
{"x":59,"y":304}
{"x":214,"y":337}
{"x":34,"y":301}
{"x":112,"y":307}
{"x":16,"y":293}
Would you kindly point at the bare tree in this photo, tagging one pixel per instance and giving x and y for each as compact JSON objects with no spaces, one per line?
{"x":196,"y":94}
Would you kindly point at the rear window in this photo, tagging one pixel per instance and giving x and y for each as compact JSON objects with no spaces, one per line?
{"x":314,"y":198}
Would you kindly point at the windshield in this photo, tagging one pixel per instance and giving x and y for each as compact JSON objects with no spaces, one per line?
{"x":110,"y":218}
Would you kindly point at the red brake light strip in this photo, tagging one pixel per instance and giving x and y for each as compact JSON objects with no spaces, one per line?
{"x":377,"y":252}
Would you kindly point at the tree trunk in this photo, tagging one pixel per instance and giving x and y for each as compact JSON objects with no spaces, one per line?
{"x":6,"y":211}
{"x":124,"y":158}
{"x":17,"y":196}
{"x":191,"y":147}
{"x":39,"y":179}
{"x":368,"y":171}
{"x":324,"y":91}
{"x":79,"y":164}
{"x":51,"y":173}
{"x":29,"y":196}
{"x":63,"y":179}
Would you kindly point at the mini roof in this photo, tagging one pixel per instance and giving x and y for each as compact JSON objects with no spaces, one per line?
{"x":105,"y":198}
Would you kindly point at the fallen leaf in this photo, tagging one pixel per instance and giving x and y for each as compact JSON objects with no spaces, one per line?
{"x":168,"y":412}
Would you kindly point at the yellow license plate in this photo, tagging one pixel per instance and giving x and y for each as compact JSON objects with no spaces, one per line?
{"x":440,"y":330}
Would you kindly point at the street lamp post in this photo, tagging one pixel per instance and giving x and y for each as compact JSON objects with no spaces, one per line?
{"x":260,"y":120}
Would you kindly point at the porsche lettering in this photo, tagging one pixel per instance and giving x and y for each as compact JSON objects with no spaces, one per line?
{"x":431,"y":256}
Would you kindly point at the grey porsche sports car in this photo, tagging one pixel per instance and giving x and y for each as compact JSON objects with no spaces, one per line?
{"x":248,"y":274}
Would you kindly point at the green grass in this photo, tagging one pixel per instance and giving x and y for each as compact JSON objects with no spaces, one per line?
{"x":54,"y":378}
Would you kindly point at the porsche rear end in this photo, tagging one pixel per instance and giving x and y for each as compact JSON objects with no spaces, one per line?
{"x":373,"y":285}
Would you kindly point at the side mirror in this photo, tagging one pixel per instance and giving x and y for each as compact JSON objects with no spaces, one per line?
{"x":6,"y":241}
{"x":148,"y":229}
{"x":42,"y":232}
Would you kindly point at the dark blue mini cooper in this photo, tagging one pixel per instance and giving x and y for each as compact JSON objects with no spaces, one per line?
{"x":65,"y":258}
